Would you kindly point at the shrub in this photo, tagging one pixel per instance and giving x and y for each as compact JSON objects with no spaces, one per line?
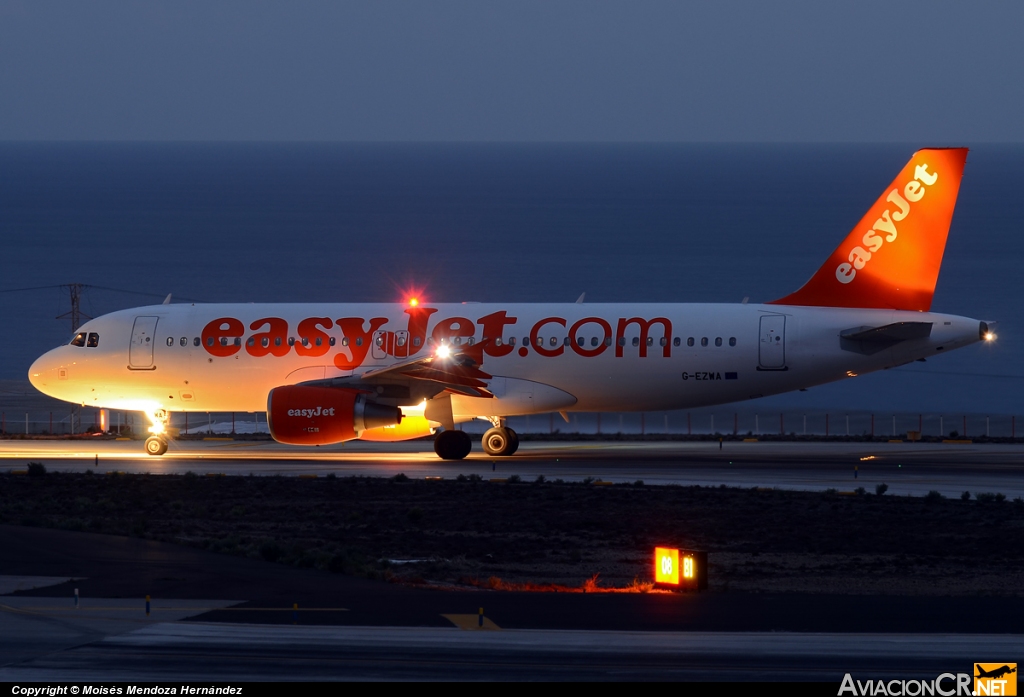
{"x":881,"y":488}
{"x":540,"y":479}
{"x":638,"y":482}
{"x":36,"y":469}
{"x":966,"y":496}
{"x":400,"y":477}
{"x":270,"y":550}
{"x":860,"y":491}
{"x":934,"y":496}
{"x":990,"y":497}
{"x":514,"y":479}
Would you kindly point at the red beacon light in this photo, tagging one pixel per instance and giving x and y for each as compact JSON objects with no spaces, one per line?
{"x":413,"y":302}
{"x":680,"y":569}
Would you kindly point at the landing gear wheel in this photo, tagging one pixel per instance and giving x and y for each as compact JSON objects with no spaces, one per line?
{"x":452,"y":445}
{"x":156,"y":446}
{"x":515,"y":442}
{"x":500,"y":441}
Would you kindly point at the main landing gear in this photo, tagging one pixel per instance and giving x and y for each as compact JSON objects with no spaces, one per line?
{"x":501,"y":441}
{"x":156,"y":444}
{"x":452,"y":445}
{"x":455,"y":445}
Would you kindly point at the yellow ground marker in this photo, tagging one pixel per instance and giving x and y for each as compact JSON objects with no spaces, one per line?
{"x":471,"y":622}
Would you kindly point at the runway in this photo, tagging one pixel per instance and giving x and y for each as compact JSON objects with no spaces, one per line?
{"x":906,"y":468}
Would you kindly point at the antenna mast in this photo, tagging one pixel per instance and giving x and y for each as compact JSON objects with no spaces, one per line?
{"x":75,"y":315}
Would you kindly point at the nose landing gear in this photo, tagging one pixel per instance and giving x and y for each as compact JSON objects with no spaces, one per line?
{"x":156,"y":444}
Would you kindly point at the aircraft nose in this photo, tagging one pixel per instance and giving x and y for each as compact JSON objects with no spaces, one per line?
{"x":43,"y":372}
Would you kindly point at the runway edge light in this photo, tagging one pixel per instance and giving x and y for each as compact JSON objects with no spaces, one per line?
{"x":680,"y":569}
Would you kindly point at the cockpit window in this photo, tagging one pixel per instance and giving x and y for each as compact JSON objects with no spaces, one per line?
{"x":79,"y":339}
{"x":94,"y":340}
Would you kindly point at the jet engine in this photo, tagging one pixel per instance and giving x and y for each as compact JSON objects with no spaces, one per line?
{"x":301,"y":415}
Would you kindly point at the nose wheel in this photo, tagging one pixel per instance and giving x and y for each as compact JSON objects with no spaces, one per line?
{"x":500,"y":441}
{"x":156,"y":446}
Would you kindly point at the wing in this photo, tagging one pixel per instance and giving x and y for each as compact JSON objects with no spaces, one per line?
{"x":457,"y":369}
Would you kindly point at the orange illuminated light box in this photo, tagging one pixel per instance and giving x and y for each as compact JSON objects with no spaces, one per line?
{"x":682,"y":569}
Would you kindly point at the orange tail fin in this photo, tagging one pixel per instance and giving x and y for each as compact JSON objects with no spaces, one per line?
{"x":891,"y":259}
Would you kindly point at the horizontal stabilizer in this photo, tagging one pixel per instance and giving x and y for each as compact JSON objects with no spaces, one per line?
{"x":871,"y":340}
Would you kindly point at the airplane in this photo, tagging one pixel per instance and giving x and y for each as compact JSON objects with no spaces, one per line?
{"x":328,"y":373}
{"x":996,"y":672}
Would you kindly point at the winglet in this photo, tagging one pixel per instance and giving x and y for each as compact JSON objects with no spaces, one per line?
{"x":891,"y":259}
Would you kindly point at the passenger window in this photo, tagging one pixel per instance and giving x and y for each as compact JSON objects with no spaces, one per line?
{"x":676,"y":341}
{"x":305,"y":341}
{"x":718,"y":341}
{"x":636,"y":341}
{"x":170,"y":341}
{"x":526,"y":341}
{"x":704,"y":341}
{"x":415,"y":341}
{"x":622,"y":341}
{"x":238,"y":341}
{"x":593,"y":341}
{"x":197,"y":342}
{"x":359,"y":341}
{"x":184,"y":341}
{"x":650,"y":341}
{"x":79,"y":340}
{"x":497,"y":342}
{"x":553,"y":341}
{"x":291,"y":341}
{"x":566,"y":341}
{"x":223,"y":341}
{"x":319,"y":341}
{"x":472,"y":340}
{"x":458,"y":341}
{"x":732,"y":341}
{"x":511,"y":340}
{"x":265,"y":342}
{"x":607,"y":341}
{"x":277,"y":341}
{"x":663,"y":341}
{"x":251,"y":341}
{"x":689,"y":341}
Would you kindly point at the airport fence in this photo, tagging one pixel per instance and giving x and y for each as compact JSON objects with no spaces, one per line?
{"x":695,"y":423}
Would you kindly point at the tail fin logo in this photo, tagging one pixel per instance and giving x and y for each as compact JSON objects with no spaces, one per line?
{"x":913,"y":192}
{"x":891,"y":258}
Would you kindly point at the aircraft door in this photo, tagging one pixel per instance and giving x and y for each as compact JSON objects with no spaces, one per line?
{"x":140,"y":352}
{"x":772,"y":342}
{"x":378,"y":349}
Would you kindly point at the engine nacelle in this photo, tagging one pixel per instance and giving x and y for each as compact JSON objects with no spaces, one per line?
{"x":301,"y":415}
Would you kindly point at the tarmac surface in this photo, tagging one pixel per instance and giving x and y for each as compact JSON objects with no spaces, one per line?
{"x":907,"y":468}
{"x":216,"y":617}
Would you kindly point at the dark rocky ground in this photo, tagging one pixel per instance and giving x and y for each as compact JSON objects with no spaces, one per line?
{"x":550,"y":532}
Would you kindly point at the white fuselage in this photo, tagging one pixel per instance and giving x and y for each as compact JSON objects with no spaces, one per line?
{"x":184,"y":358}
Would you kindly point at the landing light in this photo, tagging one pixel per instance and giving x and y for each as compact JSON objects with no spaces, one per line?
{"x":990,"y":336}
{"x":443,"y":351}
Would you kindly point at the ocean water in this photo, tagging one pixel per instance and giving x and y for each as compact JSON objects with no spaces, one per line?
{"x":493,"y":222}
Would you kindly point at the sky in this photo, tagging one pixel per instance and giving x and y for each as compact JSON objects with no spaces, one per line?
{"x":592,"y":71}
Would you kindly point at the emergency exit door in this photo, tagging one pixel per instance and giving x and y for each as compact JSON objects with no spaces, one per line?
{"x":140,"y":353}
{"x":772,"y":344}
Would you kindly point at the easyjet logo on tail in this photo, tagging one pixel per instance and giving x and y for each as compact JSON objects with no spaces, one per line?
{"x":913,"y":192}
{"x":895,"y":250}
